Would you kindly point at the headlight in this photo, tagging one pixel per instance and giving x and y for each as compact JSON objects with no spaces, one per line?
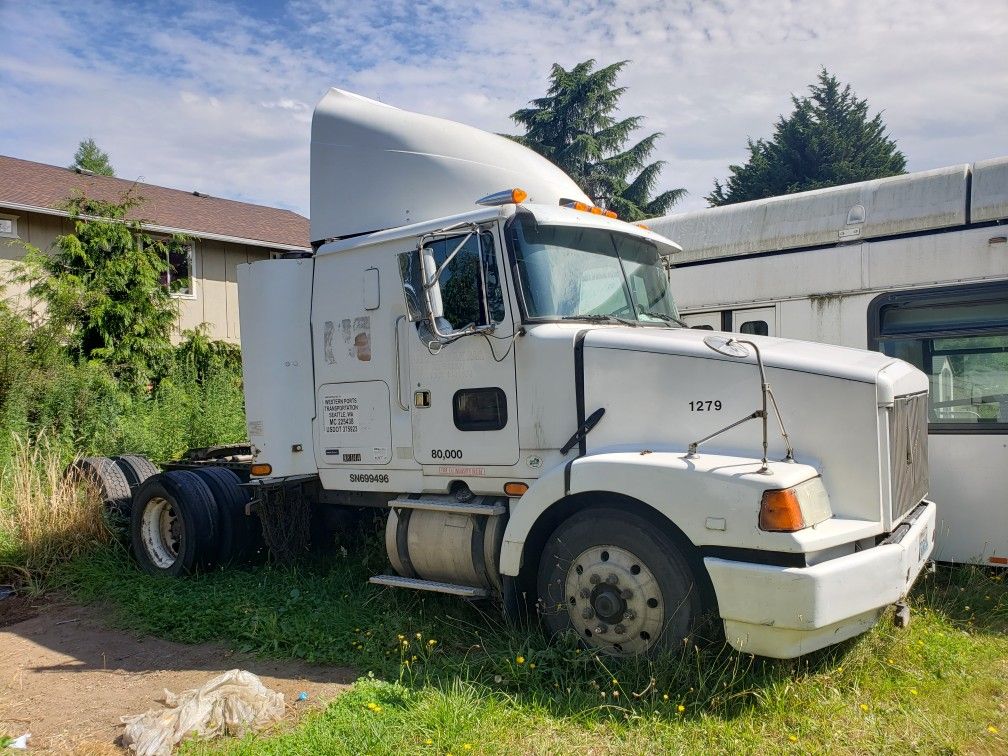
{"x":785,"y":510}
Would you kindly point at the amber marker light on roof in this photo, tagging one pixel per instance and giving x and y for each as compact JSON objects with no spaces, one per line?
{"x":504,"y":197}
{"x":515,"y":488}
{"x":609,"y":214}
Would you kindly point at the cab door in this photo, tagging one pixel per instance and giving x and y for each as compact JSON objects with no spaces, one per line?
{"x":463,"y":395}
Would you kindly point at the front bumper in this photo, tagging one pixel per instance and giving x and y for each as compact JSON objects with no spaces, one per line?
{"x":784,"y":612}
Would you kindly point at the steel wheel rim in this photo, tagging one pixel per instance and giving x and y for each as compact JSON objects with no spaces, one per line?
{"x":161,"y":530}
{"x":614,"y":600}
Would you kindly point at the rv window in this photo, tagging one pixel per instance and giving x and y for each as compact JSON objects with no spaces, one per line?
{"x":959,"y":337}
{"x":755,"y":327}
{"x":461,"y":290}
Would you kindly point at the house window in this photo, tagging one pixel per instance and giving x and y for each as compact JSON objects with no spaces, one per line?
{"x":8,"y":226}
{"x":178,"y":277}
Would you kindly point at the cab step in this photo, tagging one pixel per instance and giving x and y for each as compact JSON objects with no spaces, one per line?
{"x":438,"y":503}
{"x":395,"y":581}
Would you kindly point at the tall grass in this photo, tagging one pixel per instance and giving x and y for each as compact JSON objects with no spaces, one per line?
{"x":46,"y":517}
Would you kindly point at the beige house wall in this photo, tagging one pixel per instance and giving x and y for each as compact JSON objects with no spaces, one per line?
{"x":214,"y":298}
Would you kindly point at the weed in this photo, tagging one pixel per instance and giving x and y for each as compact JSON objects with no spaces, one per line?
{"x":46,"y":518}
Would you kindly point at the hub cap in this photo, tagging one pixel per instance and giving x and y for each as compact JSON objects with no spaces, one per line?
{"x":614,"y":600}
{"x":161,"y":530}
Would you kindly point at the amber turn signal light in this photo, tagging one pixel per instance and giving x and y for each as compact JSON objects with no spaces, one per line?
{"x":261,"y":468}
{"x":780,"y":511}
{"x":515,"y":489}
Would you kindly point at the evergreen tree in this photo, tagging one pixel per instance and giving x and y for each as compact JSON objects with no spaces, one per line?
{"x":575,"y":127}
{"x":102,"y":288}
{"x":827,"y":140}
{"x":89,"y":157}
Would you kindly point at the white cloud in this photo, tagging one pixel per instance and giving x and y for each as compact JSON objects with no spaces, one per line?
{"x":213,"y":98}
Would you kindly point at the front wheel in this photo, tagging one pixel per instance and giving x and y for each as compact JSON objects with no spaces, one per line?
{"x":618,"y":582}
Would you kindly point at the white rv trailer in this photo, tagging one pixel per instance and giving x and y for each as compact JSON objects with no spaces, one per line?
{"x":501,"y":371}
{"x":914,"y":266}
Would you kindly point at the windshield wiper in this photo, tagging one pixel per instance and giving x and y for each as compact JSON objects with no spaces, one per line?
{"x":600,"y":319}
{"x":666,"y":318}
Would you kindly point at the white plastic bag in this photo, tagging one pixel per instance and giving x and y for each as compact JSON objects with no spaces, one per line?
{"x":230,"y":704}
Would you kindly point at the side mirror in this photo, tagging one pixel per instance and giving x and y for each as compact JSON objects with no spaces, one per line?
{"x":435,"y":304}
{"x":421,"y":276}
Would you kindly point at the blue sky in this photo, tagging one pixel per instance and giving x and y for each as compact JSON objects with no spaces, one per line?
{"x":217,"y":96}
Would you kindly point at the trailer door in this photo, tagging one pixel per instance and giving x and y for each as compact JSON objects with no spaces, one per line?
{"x":755,"y":321}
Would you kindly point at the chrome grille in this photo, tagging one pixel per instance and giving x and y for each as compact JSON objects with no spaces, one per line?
{"x":908,"y":460}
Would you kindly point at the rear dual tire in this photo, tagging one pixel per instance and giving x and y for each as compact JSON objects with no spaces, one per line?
{"x":136,"y":469}
{"x":107,"y":479}
{"x":174,"y":524}
{"x":240,"y":537}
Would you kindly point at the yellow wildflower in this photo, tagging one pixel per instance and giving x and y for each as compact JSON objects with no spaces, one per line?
{"x":864,"y":707}
{"x":519,"y":659}
{"x":431,"y":642}
{"x":664,"y":697}
{"x":793,"y":738}
{"x":429,"y":742}
{"x":992,"y":730}
{"x":419,"y":636}
{"x":680,"y":708}
{"x":467,"y":746}
{"x":532,"y":665}
{"x":401,"y":636}
{"x":913,"y":691}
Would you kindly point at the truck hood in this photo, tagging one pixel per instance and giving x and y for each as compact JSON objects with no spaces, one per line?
{"x":893,"y":377}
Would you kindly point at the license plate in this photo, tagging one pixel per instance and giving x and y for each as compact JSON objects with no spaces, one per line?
{"x":922,"y":547}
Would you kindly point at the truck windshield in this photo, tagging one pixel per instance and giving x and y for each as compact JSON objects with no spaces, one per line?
{"x":574,"y":272}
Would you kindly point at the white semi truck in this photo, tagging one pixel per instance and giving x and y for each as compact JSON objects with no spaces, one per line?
{"x":478,"y":349}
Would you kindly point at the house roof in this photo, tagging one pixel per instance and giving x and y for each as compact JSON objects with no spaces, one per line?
{"x":44,"y":188}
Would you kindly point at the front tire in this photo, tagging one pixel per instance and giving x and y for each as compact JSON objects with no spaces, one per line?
{"x":174,"y":524}
{"x":618,"y":582}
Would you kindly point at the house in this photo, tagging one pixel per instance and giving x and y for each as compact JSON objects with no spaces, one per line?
{"x":224,"y":233}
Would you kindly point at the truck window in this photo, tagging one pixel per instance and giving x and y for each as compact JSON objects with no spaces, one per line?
{"x":480,"y":409}
{"x":571,"y":272}
{"x":958,"y":336}
{"x":461,"y":290}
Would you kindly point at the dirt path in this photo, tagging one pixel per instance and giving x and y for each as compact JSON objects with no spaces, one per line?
{"x":66,"y":677}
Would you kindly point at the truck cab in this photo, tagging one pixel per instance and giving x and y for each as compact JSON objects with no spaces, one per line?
{"x":480,"y":350}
